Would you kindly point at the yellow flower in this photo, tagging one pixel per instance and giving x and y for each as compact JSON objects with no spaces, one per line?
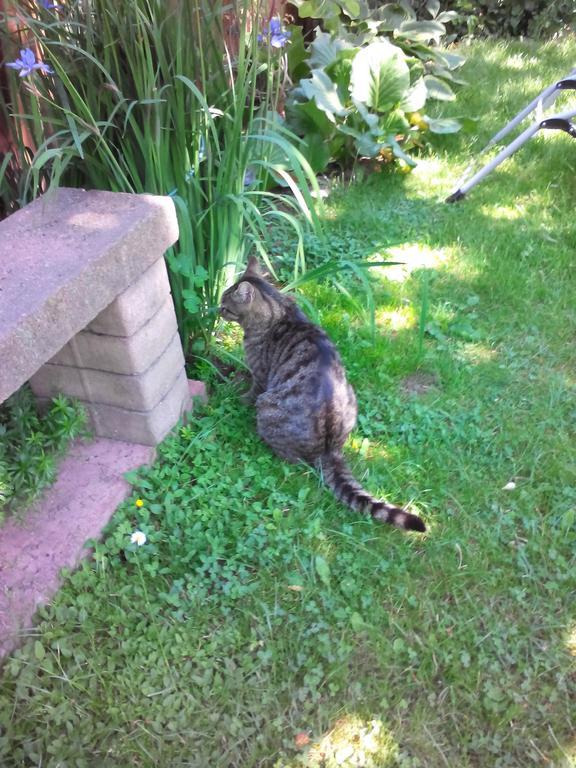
{"x":139,"y":503}
{"x":416,"y":119}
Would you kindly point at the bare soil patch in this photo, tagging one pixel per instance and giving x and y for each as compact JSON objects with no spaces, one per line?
{"x":419,"y":383}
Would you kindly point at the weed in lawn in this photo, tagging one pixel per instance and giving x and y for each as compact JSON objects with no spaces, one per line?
{"x":30,"y":445}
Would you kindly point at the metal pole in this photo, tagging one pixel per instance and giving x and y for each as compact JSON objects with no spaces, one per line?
{"x":509,"y":150}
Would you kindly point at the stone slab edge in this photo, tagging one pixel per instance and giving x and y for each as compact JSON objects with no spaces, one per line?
{"x":88,"y":489}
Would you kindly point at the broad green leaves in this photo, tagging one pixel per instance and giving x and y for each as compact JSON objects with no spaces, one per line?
{"x":363,"y":94}
{"x":422,"y":31}
{"x":415,"y":97}
{"x":363,"y":83}
{"x":438,"y":89}
{"x":443,"y":125}
{"x":39,"y":650}
{"x":317,"y":152}
{"x":322,"y":90}
{"x":380,"y":76}
{"x":325,"y":50}
{"x":329,"y":9}
{"x":322,"y":569}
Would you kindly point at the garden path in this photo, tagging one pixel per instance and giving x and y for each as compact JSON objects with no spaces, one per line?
{"x":89,"y":487}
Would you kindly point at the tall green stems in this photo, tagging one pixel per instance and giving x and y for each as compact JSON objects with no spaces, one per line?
{"x":148,"y":96}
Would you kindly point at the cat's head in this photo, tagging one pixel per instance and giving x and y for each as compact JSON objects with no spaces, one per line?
{"x":252,"y":301}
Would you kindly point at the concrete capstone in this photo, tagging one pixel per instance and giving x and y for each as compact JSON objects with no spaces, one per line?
{"x":63,"y":259}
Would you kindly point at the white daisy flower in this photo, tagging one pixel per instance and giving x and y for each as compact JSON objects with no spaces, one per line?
{"x":138,"y":538}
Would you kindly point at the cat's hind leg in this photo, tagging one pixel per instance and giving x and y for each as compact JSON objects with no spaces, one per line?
{"x":289,"y":432}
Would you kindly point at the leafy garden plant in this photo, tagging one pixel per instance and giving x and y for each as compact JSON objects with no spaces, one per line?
{"x":532,"y":18}
{"x":173,"y":98}
{"x":331,"y":12}
{"x":363,"y":84}
{"x":31,"y":443}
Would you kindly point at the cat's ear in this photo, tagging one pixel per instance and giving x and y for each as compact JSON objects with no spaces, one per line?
{"x":253,"y":267}
{"x":244,"y":292}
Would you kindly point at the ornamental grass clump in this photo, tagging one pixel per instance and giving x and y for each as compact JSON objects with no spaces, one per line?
{"x":175,"y":98}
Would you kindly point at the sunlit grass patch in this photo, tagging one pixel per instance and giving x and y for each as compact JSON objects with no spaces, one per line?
{"x":412,"y":256}
{"x":506,"y":212}
{"x":352,"y":743}
{"x":479,"y":353}
{"x":396,"y":319}
{"x":431,"y":177}
{"x":571,"y":641}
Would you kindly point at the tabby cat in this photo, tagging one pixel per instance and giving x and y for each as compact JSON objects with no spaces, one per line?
{"x":305,"y":407}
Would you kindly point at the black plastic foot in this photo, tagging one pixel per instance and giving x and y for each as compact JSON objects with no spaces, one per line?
{"x":559,"y":124}
{"x":455,"y":196}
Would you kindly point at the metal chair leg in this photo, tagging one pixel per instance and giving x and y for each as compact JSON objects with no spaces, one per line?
{"x":560,"y":121}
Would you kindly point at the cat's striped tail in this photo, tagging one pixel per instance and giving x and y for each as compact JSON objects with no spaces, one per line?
{"x":348,"y":490}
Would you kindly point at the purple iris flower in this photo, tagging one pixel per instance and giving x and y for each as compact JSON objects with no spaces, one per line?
{"x":274,"y":35}
{"x":27,"y":63}
{"x":249,"y":177}
{"x":50,"y":6}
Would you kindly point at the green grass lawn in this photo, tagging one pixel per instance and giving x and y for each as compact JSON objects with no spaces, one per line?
{"x":261,"y":613}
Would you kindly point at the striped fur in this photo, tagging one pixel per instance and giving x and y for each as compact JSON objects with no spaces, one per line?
{"x":305,"y":408}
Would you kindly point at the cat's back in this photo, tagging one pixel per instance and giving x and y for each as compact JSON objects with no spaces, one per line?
{"x":307,"y":407}
{"x":302,"y":360}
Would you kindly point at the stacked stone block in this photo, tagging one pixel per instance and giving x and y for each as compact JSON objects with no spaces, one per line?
{"x":127,"y":366}
{"x":86,"y":311}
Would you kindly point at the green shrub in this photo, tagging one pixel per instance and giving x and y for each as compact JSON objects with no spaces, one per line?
{"x":363,"y":85}
{"x":30,"y":444}
{"x":513,"y":18}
